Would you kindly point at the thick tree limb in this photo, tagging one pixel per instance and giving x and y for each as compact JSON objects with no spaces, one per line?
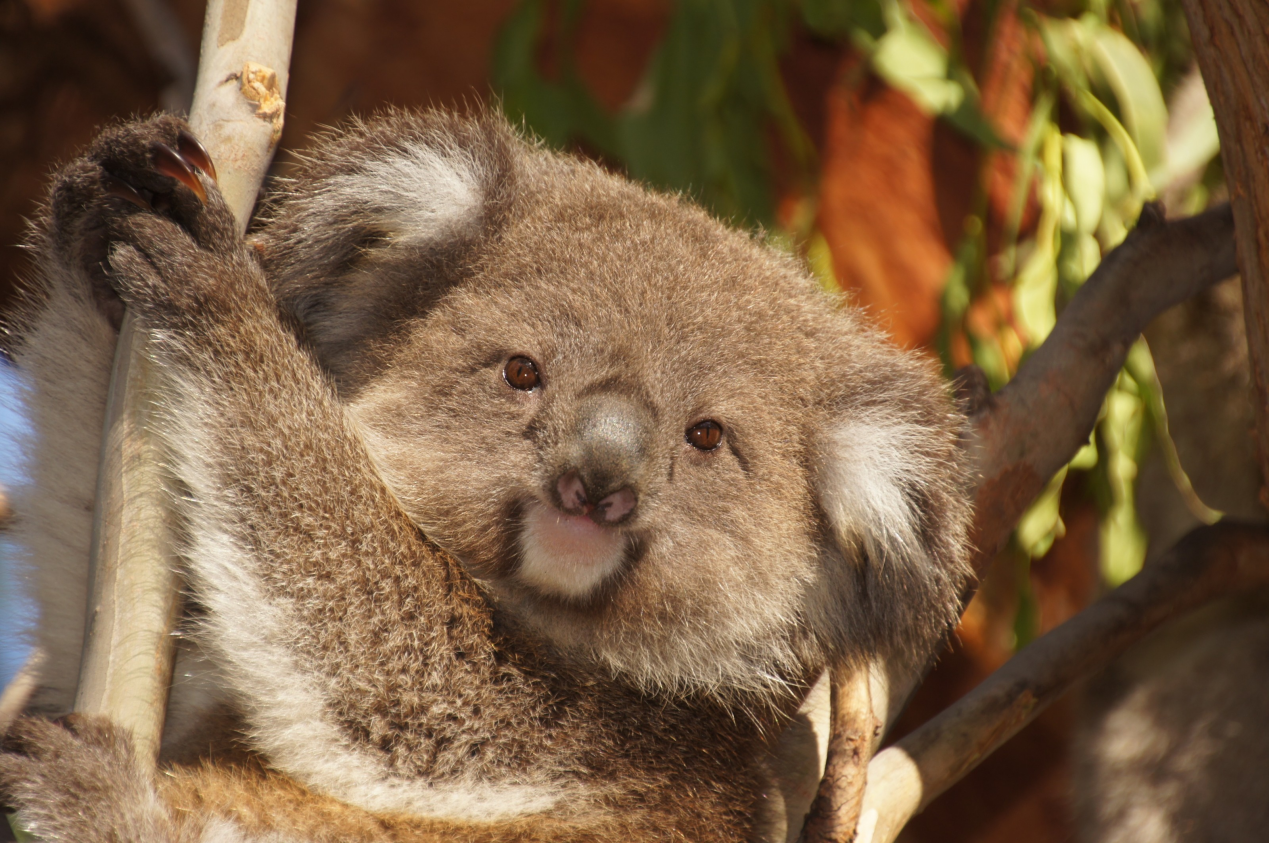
{"x":1210,"y":562}
{"x":1033,"y":426}
{"x":1231,"y":41}
{"x":133,"y":601}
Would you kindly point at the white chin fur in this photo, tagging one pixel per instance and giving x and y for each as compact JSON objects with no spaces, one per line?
{"x":566,"y":555}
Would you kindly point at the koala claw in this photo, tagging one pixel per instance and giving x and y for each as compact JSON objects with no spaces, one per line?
{"x":195,"y":153}
{"x":120,"y":188}
{"x":171,"y":163}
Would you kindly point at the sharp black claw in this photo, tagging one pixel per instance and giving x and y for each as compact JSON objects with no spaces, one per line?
{"x":195,"y":153}
{"x":170,"y":163}
{"x":120,"y":188}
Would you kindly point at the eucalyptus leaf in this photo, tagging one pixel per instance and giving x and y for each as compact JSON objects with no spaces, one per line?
{"x":1139,"y":178}
{"x":1035,"y":288}
{"x":819,"y":258}
{"x":1063,"y":48}
{"x":1041,"y":524}
{"x":1123,"y":541}
{"x":1033,"y":295}
{"x":969,"y":119}
{"x":909,"y":59}
{"x":1084,"y":179}
{"x":1130,"y":76}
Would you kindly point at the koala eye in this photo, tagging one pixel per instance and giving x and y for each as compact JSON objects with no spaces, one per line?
{"x":705,"y":435}
{"x":521,"y":373}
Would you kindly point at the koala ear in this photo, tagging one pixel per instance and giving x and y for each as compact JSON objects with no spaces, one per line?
{"x":892,"y":488}
{"x":383,"y":219}
{"x":866,"y":489}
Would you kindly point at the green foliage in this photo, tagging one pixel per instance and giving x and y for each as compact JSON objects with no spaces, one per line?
{"x":1091,"y":185}
{"x":840,"y":19}
{"x":701,"y":119}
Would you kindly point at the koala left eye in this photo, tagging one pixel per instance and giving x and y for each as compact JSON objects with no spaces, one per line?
{"x":705,"y":435}
{"x":521,"y":373}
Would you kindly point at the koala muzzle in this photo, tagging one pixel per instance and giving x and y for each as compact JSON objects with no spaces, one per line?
{"x":606,"y":459}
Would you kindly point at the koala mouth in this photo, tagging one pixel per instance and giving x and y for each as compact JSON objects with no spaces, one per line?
{"x":567,"y":555}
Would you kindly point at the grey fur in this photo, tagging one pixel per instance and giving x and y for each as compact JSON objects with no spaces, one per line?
{"x":365,"y":487}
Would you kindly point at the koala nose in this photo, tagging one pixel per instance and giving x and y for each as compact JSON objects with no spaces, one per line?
{"x":608,"y":453}
{"x":609,"y":509}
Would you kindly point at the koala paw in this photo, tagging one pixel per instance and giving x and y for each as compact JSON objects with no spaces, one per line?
{"x":78,"y":779}
{"x":141,"y":215}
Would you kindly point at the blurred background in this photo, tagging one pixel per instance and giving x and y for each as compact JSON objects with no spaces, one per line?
{"x":957,"y":167}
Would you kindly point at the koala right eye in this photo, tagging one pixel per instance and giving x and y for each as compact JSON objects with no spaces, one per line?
{"x":521,"y":373}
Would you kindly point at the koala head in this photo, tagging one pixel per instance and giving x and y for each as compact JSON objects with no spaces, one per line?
{"x":652,"y":439}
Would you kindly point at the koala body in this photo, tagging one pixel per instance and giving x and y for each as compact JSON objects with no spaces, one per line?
{"x":520,"y":502}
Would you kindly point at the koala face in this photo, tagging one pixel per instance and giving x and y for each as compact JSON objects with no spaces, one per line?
{"x":653,"y":439}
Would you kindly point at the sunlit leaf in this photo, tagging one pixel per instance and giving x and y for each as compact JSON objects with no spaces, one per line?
{"x":1139,"y":179}
{"x":1129,"y":75}
{"x":1084,"y":179}
{"x":1088,"y":254}
{"x":1040,"y":525}
{"x":1086,"y":457}
{"x":1033,"y":295}
{"x":968,"y":118}
{"x":1140,"y":365}
{"x":1063,"y":50}
{"x":820,"y":259}
{"x":909,"y":59}
{"x":1035,"y":288}
{"x":990,"y":357}
{"x":1123,"y":541}
{"x":1037,"y":128}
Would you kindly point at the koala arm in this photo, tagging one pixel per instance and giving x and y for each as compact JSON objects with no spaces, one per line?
{"x":297,"y":549}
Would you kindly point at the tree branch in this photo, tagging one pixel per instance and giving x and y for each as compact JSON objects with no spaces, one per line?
{"x":19,"y":690}
{"x":853,"y":736}
{"x":1033,"y":426}
{"x":133,"y":605}
{"x":1209,"y":562}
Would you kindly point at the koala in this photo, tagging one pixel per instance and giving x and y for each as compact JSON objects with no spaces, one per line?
{"x":519,"y":502}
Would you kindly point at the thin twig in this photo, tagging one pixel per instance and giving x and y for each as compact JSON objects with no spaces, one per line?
{"x":853,"y":734}
{"x":19,"y":690}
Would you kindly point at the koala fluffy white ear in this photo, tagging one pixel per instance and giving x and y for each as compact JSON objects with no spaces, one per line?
{"x":866,"y":489}
{"x":892,"y":488}
{"x":425,"y":192}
